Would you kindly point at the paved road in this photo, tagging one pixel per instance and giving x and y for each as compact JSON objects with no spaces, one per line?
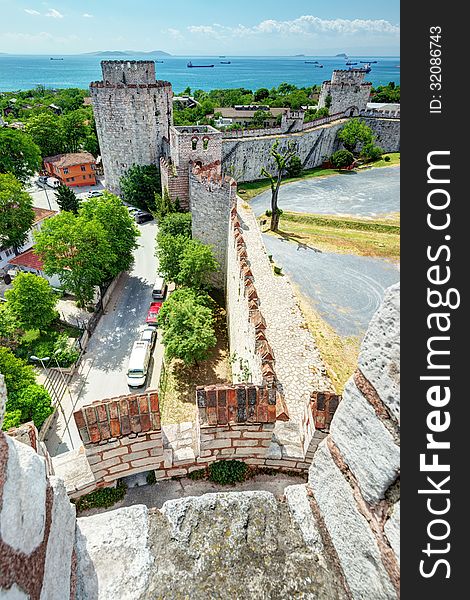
{"x":102,"y":372}
{"x":367,"y":193}
{"x":44,"y":196}
{"x":345,"y":290}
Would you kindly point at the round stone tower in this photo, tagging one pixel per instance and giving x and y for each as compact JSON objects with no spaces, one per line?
{"x":133,"y":114}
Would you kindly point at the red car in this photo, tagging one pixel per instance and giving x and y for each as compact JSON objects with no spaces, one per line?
{"x":153,"y":312}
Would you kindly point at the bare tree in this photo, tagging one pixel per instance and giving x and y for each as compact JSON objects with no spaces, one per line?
{"x":281,"y":160}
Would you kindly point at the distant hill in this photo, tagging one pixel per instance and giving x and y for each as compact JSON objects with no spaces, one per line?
{"x":342,"y":55}
{"x":126,"y":53}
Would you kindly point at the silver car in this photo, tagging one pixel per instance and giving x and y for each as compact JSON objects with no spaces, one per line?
{"x":149,"y":334}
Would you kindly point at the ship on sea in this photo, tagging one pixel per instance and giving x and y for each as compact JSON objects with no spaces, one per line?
{"x":191,"y":66}
{"x":225,"y":62}
{"x":365,"y":69}
{"x":311,"y":62}
{"x":56,"y":58}
{"x":351,"y":63}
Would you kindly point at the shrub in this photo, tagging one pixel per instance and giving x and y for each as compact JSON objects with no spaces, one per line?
{"x":34,"y":403}
{"x":103,"y":498}
{"x":342,"y":158}
{"x":228,"y":472}
{"x":387,"y":158}
{"x":11,"y":419}
{"x":65,"y":354}
{"x":278,"y":270}
{"x":294,"y":167}
{"x":176,"y":224}
{"x":371,"y":152}
{"x":199,"y":474}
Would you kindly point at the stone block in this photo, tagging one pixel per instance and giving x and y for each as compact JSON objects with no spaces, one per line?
{"x":365,"y":443}
{"x":142,"y":462}
{"x":176,"y":472}
{"x":183,"y":455}
{"x":349,"y":530}
{"x":392,"y":529}
{"x":137,"y":455}
{"x":379,"y":359}
{"x":136,"y":447}
{"x":211,"y":445}
{"x":113,"y":453}
{"x":301,"y":511}
{"x":250,"y":452}
{"x":119,"y":468}
{"x":168,"y":458}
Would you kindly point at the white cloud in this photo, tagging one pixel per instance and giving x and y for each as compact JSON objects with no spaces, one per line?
{"x":30,"y":11}
{"x":87,"y":16}
{"x":55,"y":14}
{"x":306,"y":25}
{"x":174,"y":33}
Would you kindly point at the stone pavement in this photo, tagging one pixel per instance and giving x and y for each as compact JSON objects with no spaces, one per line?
{"x":298,"y":364}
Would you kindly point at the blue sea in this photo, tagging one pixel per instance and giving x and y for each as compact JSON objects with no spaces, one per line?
{"x":25,"y":72}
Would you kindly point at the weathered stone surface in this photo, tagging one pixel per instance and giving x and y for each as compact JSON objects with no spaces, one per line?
{"x":113,"y":557}
{"x":14,"y":593}
{"x":379,"y":359}
{"x":349,"y":530}
{"x":365,"y":444}
{"x":392,"y":529}
{"x":56,"y":585}
{"x":234,"y":545}
{"x":299,"y":506}
{"x":23,"y":515}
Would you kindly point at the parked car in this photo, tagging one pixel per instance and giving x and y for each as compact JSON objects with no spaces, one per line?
{"x":159,"y":288}
{"x":42,"y":180}
{"x":153,"y":313}
{"x":52,"y":182}
{"x":142,"y":217}
{"x":94,"y":194}
{"x":138,"y":364}
{"x":149,"y":334}
{"x":132,"y":210}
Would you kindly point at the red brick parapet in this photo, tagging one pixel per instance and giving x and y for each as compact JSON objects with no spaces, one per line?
{"x":323,"y":406}
{"x":107,"y":420}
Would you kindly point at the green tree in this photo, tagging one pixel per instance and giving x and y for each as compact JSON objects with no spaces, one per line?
{"x":19,"y":155}
{"x":294,"y":167}
{"x":176,"y":224}
{"x":261,"y":95}
{"x":281,"y":160}
{"x":371,"y":152}
{"x":32,"y":301}
{"x":16,"y":213}
{"x":164,"y":205}
{"x":188,"y":326}
{"x":140,"y":184}
{"x":169,"y":252}
{"x":196,"y":265}
{"x":9,"y":328}
{"x":328,"y":101}
{"x":258,"y":118}
{"x":17,"y":373}
{"x":34,"y":402}
{"x":353,"y":132}
{"x":119,"y":227}
{"x":46,"y":131}
{"x":78,"y":251}
{"x":342,"y":158}
{"x":74,"y":130}
{"x":67,"y":199}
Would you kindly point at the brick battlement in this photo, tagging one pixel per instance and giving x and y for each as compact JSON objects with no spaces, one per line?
{"x":108,"y":420}
{"x":112,"y":85}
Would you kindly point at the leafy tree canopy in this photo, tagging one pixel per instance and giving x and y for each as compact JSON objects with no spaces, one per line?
{"x":140,"y":184}
{"x":342,"y":158}
{"x":197,"y":264}
{"x":67,"y":199}
{"x":46,"y":131}
{"x":19,"y":155}
{"x":353,"y":132}
{"x":16,"y":212}
{"x":32,"y":301}
{"x":176,"y":224}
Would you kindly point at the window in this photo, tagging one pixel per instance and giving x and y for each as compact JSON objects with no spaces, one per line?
{"x":90,"y":176}
{"x":205,"y":143}
{"x":93,"y":167}
{"x":66,"y":171}
{"x":83,"y":168}
{"x":72,"y":179}
{"x":84,"y":177}
{"x":194,"y":143}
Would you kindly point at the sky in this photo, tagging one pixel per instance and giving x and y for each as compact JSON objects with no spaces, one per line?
{"x":201,"y":27}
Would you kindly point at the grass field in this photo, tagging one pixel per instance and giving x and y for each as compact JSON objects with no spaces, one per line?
{"x":344,"y":235}
{"x":251,"y":189}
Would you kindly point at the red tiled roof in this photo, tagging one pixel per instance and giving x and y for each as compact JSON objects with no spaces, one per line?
{"x":118,"y":417}
{"x":236,"y":404}
{"x":28,"y":259}
{"x":71,"y":159}
{"x":42,"y":213}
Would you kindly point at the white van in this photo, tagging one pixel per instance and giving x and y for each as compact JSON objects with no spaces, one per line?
{"x":138,"y":364}
{"x":53,"y":182}
{"x":159,"y":288}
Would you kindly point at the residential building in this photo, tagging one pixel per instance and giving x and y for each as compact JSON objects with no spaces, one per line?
{"x":75,"y":169}
{"x":40,"y":214}
{"x":31,"y":263}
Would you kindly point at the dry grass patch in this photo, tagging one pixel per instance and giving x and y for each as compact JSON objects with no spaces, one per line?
{"x":178,"y":382}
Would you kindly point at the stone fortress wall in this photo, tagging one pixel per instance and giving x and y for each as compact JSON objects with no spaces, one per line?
{"x":133,"y":113}
{"x":340,"y":530}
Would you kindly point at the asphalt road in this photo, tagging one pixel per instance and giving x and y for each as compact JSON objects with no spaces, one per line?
{"x":102,"y":371}
{"x":344,"y":289}
{"x":367,"y":193}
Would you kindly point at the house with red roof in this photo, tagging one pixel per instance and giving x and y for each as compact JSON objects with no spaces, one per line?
{"x":75,"y":169}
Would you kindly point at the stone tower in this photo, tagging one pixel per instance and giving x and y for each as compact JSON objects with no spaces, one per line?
{"x":347,"y":90}
{"x":133,"y":114}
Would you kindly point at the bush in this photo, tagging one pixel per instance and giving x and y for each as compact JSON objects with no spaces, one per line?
{"x":103,"y":498}
{"x":371,"y":152}
{"x":164,"y":205}
{"x":278,"y":270}
{"x":294,"y":168}
{"x":176,"y":224}
{"x":65,"y":354}
{"x":12,"y":418}
{"x":199,"y":474}
{"x":34,"y":404}
{"x":269,"y":213}
{"x":228,"y":472}
{"x":341,"y":159}
{"x":387,"y":158}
